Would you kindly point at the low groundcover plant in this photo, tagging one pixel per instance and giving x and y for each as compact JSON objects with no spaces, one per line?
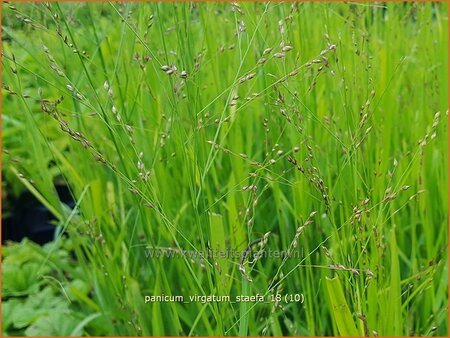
{"x":236,"y":168}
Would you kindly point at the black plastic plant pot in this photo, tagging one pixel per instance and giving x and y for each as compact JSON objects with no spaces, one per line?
{"x":30,"y":219}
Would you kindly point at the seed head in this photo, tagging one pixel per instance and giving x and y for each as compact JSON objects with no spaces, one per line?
{"x":354,"y":271}
{"x":247,"y":77}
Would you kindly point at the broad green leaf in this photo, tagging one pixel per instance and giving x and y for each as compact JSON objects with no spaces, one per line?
{"x":339,"y":308}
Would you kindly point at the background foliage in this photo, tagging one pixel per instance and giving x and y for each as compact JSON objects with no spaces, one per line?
{"x":197,"y":126}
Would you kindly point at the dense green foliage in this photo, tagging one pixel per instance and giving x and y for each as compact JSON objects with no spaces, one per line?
{"x":36,"y":303}
{"x":314,"y":129}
